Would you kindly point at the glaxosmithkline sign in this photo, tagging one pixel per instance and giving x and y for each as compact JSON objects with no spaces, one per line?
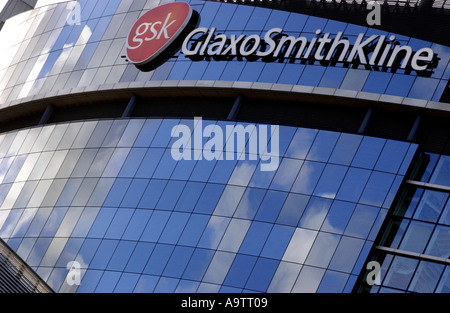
{"x":175,"y":22}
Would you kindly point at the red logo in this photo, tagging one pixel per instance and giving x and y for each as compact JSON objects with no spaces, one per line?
{"x":156,"y":30}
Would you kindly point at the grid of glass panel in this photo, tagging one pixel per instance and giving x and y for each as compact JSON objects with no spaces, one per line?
{"x":109,"y":195}
{"x":49,"y":54}
{"x":423,"y":228}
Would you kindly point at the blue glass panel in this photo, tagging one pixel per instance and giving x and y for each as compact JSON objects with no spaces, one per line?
{"x":134,"y":193}
{"x":277,"y":18}
{"x":121,"y":255}
{"x":284,"y":277}
{"x":277,"y":241}
{"x":426,"y":277}
{"x":214,"y":231}
{"x":438,"y":244}
{"x":271,"y":206}
{"x":214,"y":70}
{"x":330,"y":181}
{"x":271,"y":73}
{"x":333,"y":77}
{"x":286,"y":174}
{"x":315,"y":213}
{"x":146,"y":284}
{"x":308,"y":279}
{"x":444,"y":284}
{"x":377,"y":82}
{"x":139,"y":257}
{"x":291,"y":74}
{"x":166,"y":285}
{"x":189,"y":197}
{"x":377,"y":188}
{"x":392,"y":156}
{"x":258,"y":19}
{"x":208,"y":200}
{"x":311,"y":75}
{"x":400,"y":85}
{"x":193,"y":230}
{"x":158,"y":259}
{"x":307,"y":177}
{"x":400,"y":272}
{"x":346,"y":254}
{"x":345,"y":149}
{"x":240,"y":18}
{"x":323,"y":146}
{"x":87,"y":251}
{"x":132,"y":162}
{"x":126,"y":283}
{"x":152,"y":193}
{"x":178,"y":261}
{"x":232,"y":71}
{"x":333,"y":282}
{"x":353,"y":184}
{"x":155,"y":226}
{"x":423,"y":88}
{"x":174,"y":227}
{"x":53,"y":222}
{"x":119,"y":223}
{"x":170,"y":195}
{"x":90,"y":281}
{"x":249,"y":203}
{"x":101,"y":223}
{"x":224,"y":15}
{"x":117,"y":192}
{"x":262,"y":274}
{"x":293,"y":209}
{"x":198,"y":264}
{"x":322,"y":250}
{"x":240,"y":270}
{"x":255,"y":238}
{"x":441,"y":174}
{"x":368,"y":152}
{"x":187,"y":286}
{"x":103,"y":255}
{"x":361,"y":222}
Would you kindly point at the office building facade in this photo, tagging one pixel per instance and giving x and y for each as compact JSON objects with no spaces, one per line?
{"x":94,"y":199}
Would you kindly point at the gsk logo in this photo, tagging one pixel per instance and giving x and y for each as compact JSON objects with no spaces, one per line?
{"x":159,"y":33}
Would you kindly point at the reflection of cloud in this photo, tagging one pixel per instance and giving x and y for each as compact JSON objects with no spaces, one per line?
{"x":242,"y":173}
{"x":284,"y":278}
{"x":299,"y":246}
{"x":235,"y":234}
{"x":24,"y":222}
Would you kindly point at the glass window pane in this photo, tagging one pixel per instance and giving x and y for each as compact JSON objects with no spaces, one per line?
{"x":178,"y":261}
{"x":249,"y":204}
{"x":308,"y":280}
{"x":103,"y":255}
{"x":301,"y":143}
{"x":158,"y":259}
{"x":361,"y":222}
{"x":292,"y":209}
{"x":174,"y":227}
{"x":315,"y":213}
{"x":430,"y":206}
{"x":139,"y":257}
{"x":377,"y":188}
{"x":400,"y":273}
{"x":392,"y":156}
{"x":345,"y":149}
{"x":218,"y":268}
{"x":368,"y":152}
{"x":234,"y":235}
{"x":262,"y":274}
{"x":121,"y":255}
{"x":307,"y":177}
{"x":209,"y":198}
{"x":240,"y":270}
{"x":286,"y":174}
{"x":322,"y":250}
{"x":193,"y":230}
{"x":170,"y":195}
{"x":439,"y":242}
{"x":271,"y":206}
{"x":330,"y":181}
{"x":353,"y":184}
{"x":277,"y":241}
{"x":198,"y":264}
{"x":284,"y":278}
{"x":346,"y":254}
{"x":333,"y":282}
{"x":214,"y":232}
{"x":426,"y":277}
{"x":299,"y":246}
{"x":229,"y":200}
{"x":255,"y":239}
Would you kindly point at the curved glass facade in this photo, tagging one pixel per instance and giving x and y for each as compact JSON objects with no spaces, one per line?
{"x":49,"y":54}
{"x":109,"y":195}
